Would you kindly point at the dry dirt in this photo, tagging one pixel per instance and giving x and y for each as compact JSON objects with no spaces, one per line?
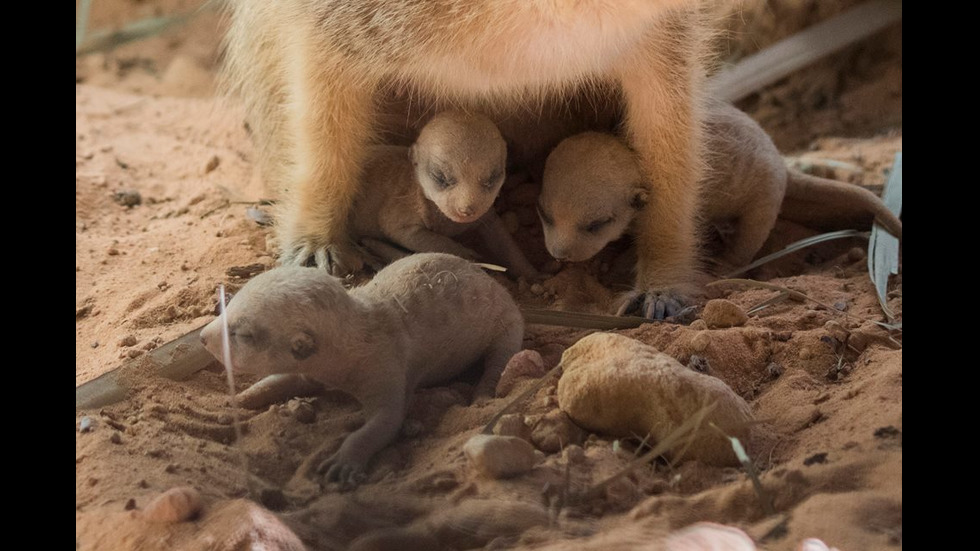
{"x":825,"y":382}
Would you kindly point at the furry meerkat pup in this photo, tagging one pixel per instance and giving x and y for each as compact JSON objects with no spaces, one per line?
{"x":445,"y":184}
{"x":310,"y":73}
{"x":593,"y":190}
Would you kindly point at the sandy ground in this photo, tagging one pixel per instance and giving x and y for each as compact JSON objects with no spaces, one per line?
{"x":164,"y":184}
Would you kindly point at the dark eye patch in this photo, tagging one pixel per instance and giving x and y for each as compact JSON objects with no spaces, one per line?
{"x":596,"y":225}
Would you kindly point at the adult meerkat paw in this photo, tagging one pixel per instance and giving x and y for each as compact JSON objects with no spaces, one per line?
{"x":340,"y":259}
{"x":657,"y":304}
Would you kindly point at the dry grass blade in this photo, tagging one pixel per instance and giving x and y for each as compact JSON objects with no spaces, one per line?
{"x":491,"y":267}
{"x":581,"y":320}
{"x":767,"y":303}
{"x":81,"y":24}
{"x":798,"y":245}
{"x":682,"y":434}
{"x":106,"y":40}
{"x":883,"y":247}
{"x":790,"y":293}
{"x":779,"y":60}
{"x":750,"y":470}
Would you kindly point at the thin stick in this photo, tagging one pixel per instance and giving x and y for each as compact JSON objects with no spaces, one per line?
{"x":226,"y":359}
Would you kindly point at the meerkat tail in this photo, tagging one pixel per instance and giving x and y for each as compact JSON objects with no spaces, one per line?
{"x":821,"y":202}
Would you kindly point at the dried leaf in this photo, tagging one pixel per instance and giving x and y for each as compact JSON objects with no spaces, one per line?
{"x":883,"y":247}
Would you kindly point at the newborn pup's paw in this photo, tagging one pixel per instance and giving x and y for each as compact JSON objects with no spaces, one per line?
{"x":346,"y":472}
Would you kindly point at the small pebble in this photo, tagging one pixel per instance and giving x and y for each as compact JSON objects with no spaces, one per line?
{"x":128,"y":340}
{"x":511,"y":424}
{"x":115,"y":438}
{"x":213,"y":163}
{"x":86,"y":424}
{"x":499,"y":456}
{"x":130,"y":504}
{"x":537,"y":289}
{"x":524,"y":364}
{"x":127,"y":197}
{"x":174,"y":505}
{"x":554,"y":431}
{"x":95,"y":344}
{"x":721,"y":313}
{"x":701,"y":341}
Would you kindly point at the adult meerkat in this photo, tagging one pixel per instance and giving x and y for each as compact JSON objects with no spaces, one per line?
{"x":593,"y":189}
{"x":378,"y":342}
{"x":443,"y":185}
{"x":311,"y":71}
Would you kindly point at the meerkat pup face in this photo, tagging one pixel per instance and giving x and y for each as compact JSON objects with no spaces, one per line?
{"x":590,"y":192}
{"x":460,"y":162}
{"x":277,"y":320}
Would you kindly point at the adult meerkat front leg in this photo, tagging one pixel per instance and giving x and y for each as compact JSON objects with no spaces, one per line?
{"x":329,"y":113}
{"x":661,"y":84}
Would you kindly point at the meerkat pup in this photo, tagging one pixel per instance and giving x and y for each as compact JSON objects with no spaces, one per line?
{"x":593,"y":190}
{"x":445,"y":184}
{"x":311,"y":72}
{"x":420,"y":321}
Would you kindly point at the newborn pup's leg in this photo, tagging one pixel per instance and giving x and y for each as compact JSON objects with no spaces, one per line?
{"x":385,"y":412}
{"x":277,"y":388}
{"x":503,"y":349}
{"x":503,"y":247}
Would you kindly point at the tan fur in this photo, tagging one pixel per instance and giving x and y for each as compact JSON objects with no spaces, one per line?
{"x":421,"y":321}
{"x":311,"y":71}
{"x":444,"y":185}
{"x":592,"y":190}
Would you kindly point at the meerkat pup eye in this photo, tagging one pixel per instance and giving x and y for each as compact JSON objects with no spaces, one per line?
{"x":441,"y":180}
{"x":491,"y":181}
{"x":596,"y":225}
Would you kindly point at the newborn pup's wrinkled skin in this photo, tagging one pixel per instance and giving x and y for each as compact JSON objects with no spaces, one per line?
{"x":311,"y":72}
{"x":592,"y":190}
{"x":444,"y":185}
{"x":421,"y":321}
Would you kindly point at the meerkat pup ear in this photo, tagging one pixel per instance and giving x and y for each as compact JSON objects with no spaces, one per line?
{"x":639,"y":196}
{"x":302,"y":345}
{"x":413,"y":155}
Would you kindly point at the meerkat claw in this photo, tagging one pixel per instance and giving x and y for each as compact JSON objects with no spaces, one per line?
{"x":656,"y":305}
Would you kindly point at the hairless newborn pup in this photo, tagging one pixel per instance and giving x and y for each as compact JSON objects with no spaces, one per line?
{"x":420,"y":321}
